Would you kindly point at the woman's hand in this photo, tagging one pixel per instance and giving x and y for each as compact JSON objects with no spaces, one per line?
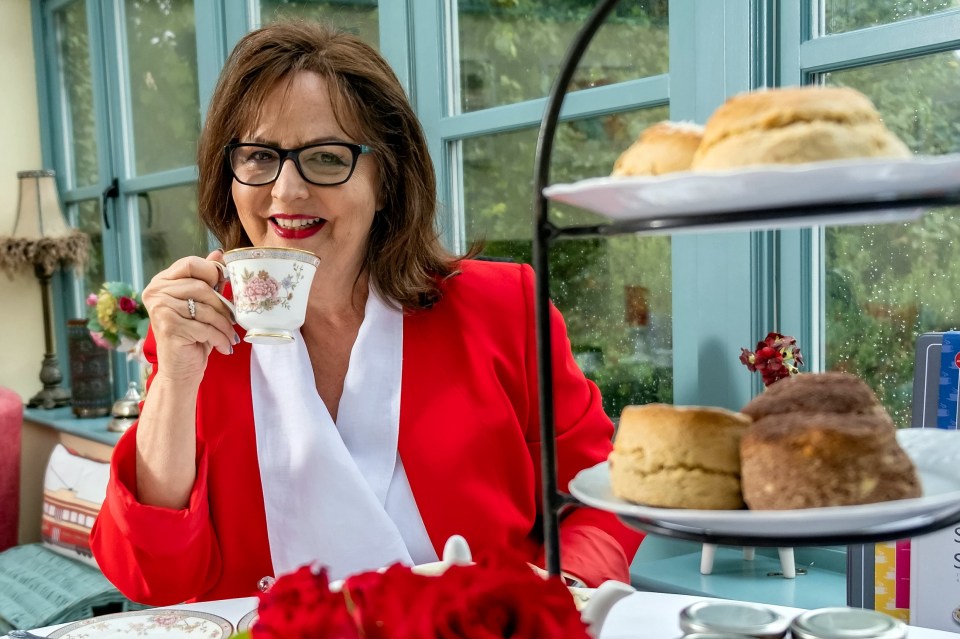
{"x":187,"y":331}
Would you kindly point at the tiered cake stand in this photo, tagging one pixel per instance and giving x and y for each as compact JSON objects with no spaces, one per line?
{"x":854,"y":192}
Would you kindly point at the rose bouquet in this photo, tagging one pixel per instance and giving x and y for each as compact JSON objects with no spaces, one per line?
{"x":776,"y":357}
{"x":117,"y":318}
{"x":494,"y":598}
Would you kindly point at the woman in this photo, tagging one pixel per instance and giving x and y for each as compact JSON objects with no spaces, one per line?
{"x":408,"y":410}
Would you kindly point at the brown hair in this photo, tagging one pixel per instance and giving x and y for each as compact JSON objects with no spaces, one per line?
{"x":405,"y":258}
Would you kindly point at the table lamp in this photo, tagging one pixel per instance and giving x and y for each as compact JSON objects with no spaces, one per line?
{"x":42,"y":239}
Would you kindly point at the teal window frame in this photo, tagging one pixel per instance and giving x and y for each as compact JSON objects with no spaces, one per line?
{"x":729,"y":288}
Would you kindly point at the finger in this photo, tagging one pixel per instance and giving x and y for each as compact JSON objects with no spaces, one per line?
{"x":217,"y":316}
{"x":207,"y":307}
{"x":192,"y":267}
{"x":175,"y":326}
{"x":216,"y":257}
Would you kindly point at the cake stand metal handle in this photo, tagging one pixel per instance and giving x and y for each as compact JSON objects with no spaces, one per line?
{"x":544,"y":231}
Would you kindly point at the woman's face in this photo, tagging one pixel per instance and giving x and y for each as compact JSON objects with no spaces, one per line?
{"x":331,"y":221}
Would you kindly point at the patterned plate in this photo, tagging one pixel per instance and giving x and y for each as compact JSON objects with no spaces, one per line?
{"x":247,"y":620}
{"x":169,"y":624}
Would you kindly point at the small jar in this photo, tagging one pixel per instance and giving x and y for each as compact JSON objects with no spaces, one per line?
{"x":847,"y":623}
{"x":733,"y":618}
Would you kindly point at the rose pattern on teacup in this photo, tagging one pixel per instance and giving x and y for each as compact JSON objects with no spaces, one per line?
{"x":259,"y":292}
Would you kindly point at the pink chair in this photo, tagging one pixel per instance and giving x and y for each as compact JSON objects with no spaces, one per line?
{"x":11,"y":426}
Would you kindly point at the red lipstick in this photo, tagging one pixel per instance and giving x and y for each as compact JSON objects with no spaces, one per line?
{"x":297,"y":233}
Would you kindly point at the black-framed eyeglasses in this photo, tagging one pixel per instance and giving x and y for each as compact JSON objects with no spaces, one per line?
{"x":325,"y":164}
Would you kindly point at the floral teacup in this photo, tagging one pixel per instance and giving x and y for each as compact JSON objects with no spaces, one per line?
{"x":270,"y":291}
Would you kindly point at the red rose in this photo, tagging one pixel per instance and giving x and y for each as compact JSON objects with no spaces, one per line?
{"x":300,"y":605}
{"x":128,"y":304}
{"x":380,"y":602}
{"x":495,"y":599}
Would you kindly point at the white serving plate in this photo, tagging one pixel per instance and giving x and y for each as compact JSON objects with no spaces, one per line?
{"x":935,"y":452}
{"x":718,"y":193}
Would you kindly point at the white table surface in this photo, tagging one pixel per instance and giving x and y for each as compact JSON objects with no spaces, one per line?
{"x":642,"y":615}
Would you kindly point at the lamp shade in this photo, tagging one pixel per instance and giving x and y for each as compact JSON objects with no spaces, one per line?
{"x":38,"y":211}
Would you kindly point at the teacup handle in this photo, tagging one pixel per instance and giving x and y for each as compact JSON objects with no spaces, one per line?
{"x":226,"y":275}
{"x":229,"y":305}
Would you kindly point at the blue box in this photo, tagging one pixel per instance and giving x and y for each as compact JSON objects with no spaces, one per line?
{"x":949,"y":382}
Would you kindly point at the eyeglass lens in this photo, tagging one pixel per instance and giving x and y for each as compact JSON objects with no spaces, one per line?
{"x":321,"y":164}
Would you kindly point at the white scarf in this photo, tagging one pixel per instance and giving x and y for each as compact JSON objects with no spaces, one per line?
{"x":336,"y":493}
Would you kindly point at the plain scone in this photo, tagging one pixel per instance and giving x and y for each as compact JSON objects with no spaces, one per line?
{"x":664,"y":147}
{"x":822,"y":439}
{"x":678,"y":457}
{"x":792,"y":126}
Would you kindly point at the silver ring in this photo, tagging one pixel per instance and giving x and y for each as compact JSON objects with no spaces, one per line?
{"x":192,"y":307}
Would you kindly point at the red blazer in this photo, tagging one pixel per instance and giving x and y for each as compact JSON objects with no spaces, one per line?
{"x":469,"y":441}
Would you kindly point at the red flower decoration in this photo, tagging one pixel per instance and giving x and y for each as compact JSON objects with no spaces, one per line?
{"x":128,"y":304}
{"x":776,"y":357}
{"x":300,"y":604}
{"x":496,"y":598}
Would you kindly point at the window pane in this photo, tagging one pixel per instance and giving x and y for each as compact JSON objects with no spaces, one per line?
{"x":359,"y":17}
{"x":169,"y":227}
{"x":164,"y":96}
{"x":887,"y":284}
{"x":847,"y":15}
{"x":89,"y":220}
{"x":511,"y":51}
{"x":79,"y":130}
{"x":615,"y":293}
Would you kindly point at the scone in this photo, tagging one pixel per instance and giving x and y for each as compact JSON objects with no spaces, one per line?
{"x":829,"y":392}
{"x":678,"y":457}
{"x":822,"y":439}
{"x":792,"y":126}
{"x":664,"y":147}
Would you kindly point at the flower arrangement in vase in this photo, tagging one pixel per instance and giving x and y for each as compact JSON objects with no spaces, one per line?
{"x":117,"y":319}
{"x":777,"y":357}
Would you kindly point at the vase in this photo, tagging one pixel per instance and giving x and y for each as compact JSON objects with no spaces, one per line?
{"x":89,"y":372}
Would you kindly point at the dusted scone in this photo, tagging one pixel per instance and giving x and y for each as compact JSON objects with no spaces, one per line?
{"x":678,"y":457}
{"x":822,"y":440}
{"x":792,"y":126}
{"x":815,"y":393}
{"x":665,"y":147}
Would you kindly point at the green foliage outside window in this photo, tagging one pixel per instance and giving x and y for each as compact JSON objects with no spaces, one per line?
{"x":885,"y":285}
{"x":847,"y":15}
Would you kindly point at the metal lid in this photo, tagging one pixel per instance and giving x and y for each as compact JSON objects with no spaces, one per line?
{"x":714,"y":635}
{"x":847,"y":623}
{"x":736,"y":617}
{"x":129,"y":404}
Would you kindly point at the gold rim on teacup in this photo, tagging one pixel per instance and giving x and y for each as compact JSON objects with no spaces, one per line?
{"x":271,"y":252}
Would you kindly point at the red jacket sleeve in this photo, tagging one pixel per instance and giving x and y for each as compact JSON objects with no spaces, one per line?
{"x":136,"y":545}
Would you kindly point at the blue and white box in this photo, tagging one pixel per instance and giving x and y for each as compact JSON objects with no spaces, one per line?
{"x":949,"y":383}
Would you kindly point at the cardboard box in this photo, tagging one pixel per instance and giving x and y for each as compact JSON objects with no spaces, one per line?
{"x":949,"y":381}
{"x":935,"y":582}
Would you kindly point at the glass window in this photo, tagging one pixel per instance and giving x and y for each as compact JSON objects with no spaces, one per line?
{"x":360,"y":17}
{"x":615,"y":293}
{"x":848,"y":15}
{"x":76,"y":87}
{"x":164,"y":95}
{"x":169,"y":227}
{"x":89,"y":220}
{"x":887,"y":284}
{"x":509,"y":52}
